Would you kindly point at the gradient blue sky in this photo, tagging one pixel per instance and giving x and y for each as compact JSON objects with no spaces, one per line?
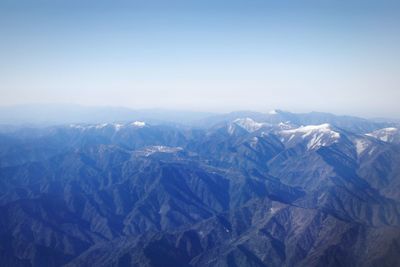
{"x":338,"y":56}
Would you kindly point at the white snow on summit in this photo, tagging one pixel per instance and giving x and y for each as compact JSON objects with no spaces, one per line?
{"x":88,"y":127}
{"x":285,"y":125}
{"x":249,"y":124}
{"x":311,"y":129}
{"x":315,"y":135}
{"x":390,"y":134}
{"x":139,"y":124}
{"x":100,"y":126}
{"x":116,"y":126}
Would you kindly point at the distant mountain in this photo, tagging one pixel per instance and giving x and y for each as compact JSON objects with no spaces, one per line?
{"x":239,"y":189}
{"x":301,"y":119}
{"x":45,"y":115}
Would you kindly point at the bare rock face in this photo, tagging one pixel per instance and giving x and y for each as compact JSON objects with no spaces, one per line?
{"x":241,"y":192}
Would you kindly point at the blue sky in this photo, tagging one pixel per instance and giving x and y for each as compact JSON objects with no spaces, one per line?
{"x":327,"y":55}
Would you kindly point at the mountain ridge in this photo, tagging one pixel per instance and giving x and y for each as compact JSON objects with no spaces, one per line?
{"x":148,"y":194}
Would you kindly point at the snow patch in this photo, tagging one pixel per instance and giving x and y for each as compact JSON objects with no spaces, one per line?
{"x":386,"y":134}
{"x":361,"y":146}
{"x":139,"y":124}
{"x":312,"y":129}
{"x":285,"y":125}
{"x":249,"y":124}
{"x":231,"y":129}
{"x":118,"y":126}
{"x":101,"y":126}
{"x":273,"y":210}
{"x":254,"y":142}
{"x":315,"y":135}
{"x":159,"y":149}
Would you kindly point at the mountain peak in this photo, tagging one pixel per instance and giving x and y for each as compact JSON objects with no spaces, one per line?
{"x":390,"y":134}
{"x":249,"y":124}
{"x":139,"y":124}
{"x":315,"y":135}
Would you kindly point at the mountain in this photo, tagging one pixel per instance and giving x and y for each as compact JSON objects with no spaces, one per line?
{"x":274,"y":117}
{"x":276,"y":189}
{"x":52,"y":114}
{"x":387,"y":134}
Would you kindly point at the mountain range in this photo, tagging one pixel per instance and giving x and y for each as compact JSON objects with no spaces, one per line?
{"x":236,"y":189}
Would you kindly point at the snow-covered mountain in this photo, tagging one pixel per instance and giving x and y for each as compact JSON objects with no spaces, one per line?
{"x":314,"y":135}
{"x":389,"y":134}
{"x":249,"y":124}
{"x":250,"y":190}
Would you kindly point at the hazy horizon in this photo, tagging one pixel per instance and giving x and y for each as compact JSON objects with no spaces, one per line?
{"x":366,"y":115}
{"x":52,"y":109}
{"x":339,"y":57}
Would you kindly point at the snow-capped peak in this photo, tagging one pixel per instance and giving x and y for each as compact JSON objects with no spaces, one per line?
{"x":390,"y":134}
{"x":249,"y":124}
{"x":285,"y":125}
{"x":273,"y":112}
{"x":139,"y":124}
{"x":309,"y":129}
{"x":102,"y":125}
{"x":315,"y":135}
{"x":92,"y":126}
